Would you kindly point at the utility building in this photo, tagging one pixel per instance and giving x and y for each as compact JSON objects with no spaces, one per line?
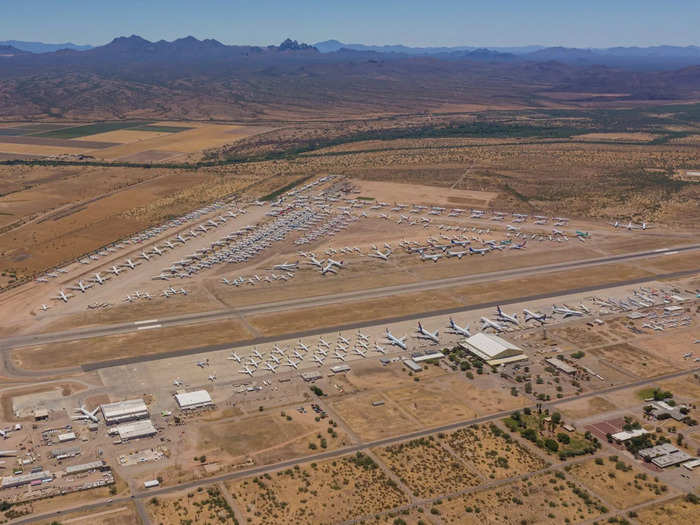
{"x":493,"y":350}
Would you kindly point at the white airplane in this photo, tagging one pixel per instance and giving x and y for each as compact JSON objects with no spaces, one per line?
{"x":328,"y":269}
{"x":512,"y":228}
{"x":81,"y":286}
{"x":318,"y":359}
{"x":333,"y":262}
{"x":321,"y":351}
{"x":44,"y":307}
{"x":180,"y":239}
{"x":280,"y":351}
{"x":145,"y":256}
{"x":130,"y":264}
{"x":303,"y":346}
{"x":343,"y":339}
{"x":478,"y":251}
{"x":502,"y":316}
{"x":532,"y":316}
{"x":292,"y":364}
{"x":425,"y":334}
{"x":430,"y":257}
{"x":287,"y":267}
{"x":272,"y":368}
{"x":115,"y":270}
{"x":359,"y":352}
{"x":252,"y":362}
{"x":275,"y":359}
{"x":520,"y":246}
{"x":41,"y":280}
{"x":257,"y":354}
{"x":565,"y":311}
{"x":316,"y":262}
{"x":339,"y":356}
{"x":86,"y":414}
{"x":459,"y":255}
{"x":235,"y":357}
{"x":99,"y":279}
{"x":321,"y":341}
{"x":396,"y":341}
{"x":362,"y":336}
{"x":379,"y":348}
{"x":379,"y":255}
{"x":202,"y":364}
{"x":456,"y":329}
{"x":488,"y":323}
{"x":247,"y":370}
{"x":157,"y":250}
{"x":298,"y":355}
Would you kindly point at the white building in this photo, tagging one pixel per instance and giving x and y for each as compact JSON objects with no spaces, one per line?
{"x":122,"y":411}
{"x":135,"y":430}
{"x":492,"y":349}
{"x":192,"y":400}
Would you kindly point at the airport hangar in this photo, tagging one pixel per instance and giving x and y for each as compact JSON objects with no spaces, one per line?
{"x":493,"y":350}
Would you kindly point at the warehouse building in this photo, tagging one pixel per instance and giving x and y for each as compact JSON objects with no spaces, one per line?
{"x":26,"y":479}
{"x":135,"y":430}
{"x":122,"y":411}
{"x":493,"y":350}
{"x":86,"y":467}
{"x":412,"y":365}
{"x":420,"y":357}
{"x":623,"y":436}
{"x":339,"y":369}
{"x":311,"y":376}
{"x":193,"y":400}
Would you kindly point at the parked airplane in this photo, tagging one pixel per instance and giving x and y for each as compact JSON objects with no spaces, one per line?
{"x":246,"y":370}
{"x":565,"y":311}
{"x":430,"y":257}
{"x":328,"y":269}
{"x":318,"y":359}
{"x":459,"y":254}
{"x":321,"y":341}
{"x":531,"y":316}
{"x":292,"y":364}
{"x":130,"y":264}
{"x":379,"y":255}
{"x":396,"y":341}
{"x":502,"y":316}
{"x":379,"y":348}
{"x":275,"y":358}
{"x":235,"y":357}
{"x":425,"y":334}
{"x":362,"y":336}
{"x":478,"y":251}
{"x":257,"y":354}
{"x":488,"y":323}
{"x":44,"y":307}
{"x":339,"y":356}
{"x":287,"y":267}
{"x":81,"y":286}
{"x":87,"y":414}
{"x":343,"y":339}
{"x":359,"y":352}
{"x":202,"y":364}
{"x":456,"y":329}
{"x":303,"y":346}
{"x":272,"y":368}
{"x":115,"y":270}
{"x":145,"y":256}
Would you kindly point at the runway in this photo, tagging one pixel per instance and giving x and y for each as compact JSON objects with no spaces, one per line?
{"x":293,"y":304}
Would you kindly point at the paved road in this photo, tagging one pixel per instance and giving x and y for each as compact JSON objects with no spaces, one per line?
{"x":293,"y":304}
{"x":256,"y":471}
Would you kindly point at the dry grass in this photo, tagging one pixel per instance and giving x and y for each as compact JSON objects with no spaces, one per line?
{"x":326,"y":492}
{"x":618,"y":482}
{"x":426,"y":467}
{"x":541,"y":499}
{"x":677,"y":511}
{"x":492,"y":454}
{"x":197,"y":506}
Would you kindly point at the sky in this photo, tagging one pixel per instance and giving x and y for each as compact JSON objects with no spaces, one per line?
{"x":593,"y":23}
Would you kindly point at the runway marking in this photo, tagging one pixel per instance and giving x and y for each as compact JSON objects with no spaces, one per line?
{"x":149,"y":327}
{"x":670,"y":253}
{"x":661,"y":250}
{"x":147,"y":321}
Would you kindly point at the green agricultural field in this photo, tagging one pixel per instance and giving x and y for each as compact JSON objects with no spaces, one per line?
{"x":160,"y":129}
{"x":90,"y":129}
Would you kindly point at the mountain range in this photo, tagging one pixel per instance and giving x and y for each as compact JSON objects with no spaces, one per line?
{"x":41,"y":47}
{"x":206,"y":79}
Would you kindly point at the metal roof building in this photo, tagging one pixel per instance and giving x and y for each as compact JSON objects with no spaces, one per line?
{"x":24,"y":479}
{"x":412,"y":365}
{"x":418,"y":358}
{"x":492,"y":349}
{"x":135,"y":429}
{"x":192,"y":400}
{"x":561,"y":365}
{"x":85,"y":467}
{"x":124,"y":411}
{"x":339,"y":369}
{"x":624,"y":435}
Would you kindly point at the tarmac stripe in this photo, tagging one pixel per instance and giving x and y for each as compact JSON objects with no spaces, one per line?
{"x":150,"y":327}
{"x":148,"y":321}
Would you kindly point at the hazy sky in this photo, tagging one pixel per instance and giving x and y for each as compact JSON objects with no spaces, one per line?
{"x":593,"y":23}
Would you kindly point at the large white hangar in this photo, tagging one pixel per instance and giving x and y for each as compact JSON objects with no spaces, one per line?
{"x":493,"y":350}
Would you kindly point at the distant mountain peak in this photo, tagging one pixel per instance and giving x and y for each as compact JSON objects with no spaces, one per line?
{"x":293,"y":45}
